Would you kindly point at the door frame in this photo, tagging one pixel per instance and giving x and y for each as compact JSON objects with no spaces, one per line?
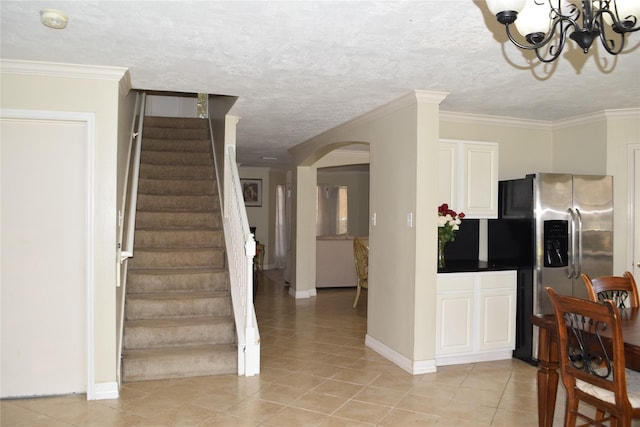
{"x":633,"y":177}
{"x":89,"y":120}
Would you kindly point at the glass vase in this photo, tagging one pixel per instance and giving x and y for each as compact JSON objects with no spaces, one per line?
{"x":441,"y":260}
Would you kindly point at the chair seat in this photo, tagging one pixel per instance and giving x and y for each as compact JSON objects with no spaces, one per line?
{"x":633,"y":389}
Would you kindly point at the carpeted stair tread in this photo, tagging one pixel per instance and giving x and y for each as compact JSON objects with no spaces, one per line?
{"x":174,"y":332}
{"x":177,"y":145}
{"x":179,"y":322}
{"x":197,"y":172}
{"x":173,"y":280}
{"x":189,"y":361}
{"x":179,"y":203}
{"x":176,"y":122}
{"x":181,"y":238}
{"x":177,"y":305}
{"x":177,"y":258}
{"x":175,"y":220}
{"x":174,"y":158}
{"x":173,"y":133}
{"x":177,"y":186}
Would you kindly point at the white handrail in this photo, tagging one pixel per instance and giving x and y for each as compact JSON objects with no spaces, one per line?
{"x":133,"y":189}
{"x":121,"y":265}
{"x":241,"y":249}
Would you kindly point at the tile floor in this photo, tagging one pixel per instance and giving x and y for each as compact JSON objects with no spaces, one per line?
{"x":315,"y":371}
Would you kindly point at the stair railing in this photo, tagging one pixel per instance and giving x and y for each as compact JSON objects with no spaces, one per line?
{"x":127,"y":243}
{"x":127,"y":217}
{"x":241,"y":249}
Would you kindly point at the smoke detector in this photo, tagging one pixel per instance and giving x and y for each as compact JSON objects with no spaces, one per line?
{"x":53,"y":18}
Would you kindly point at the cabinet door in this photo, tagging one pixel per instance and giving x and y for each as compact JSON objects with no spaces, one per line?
{"x":497,"y":312}
{"x":448,"y":174}
{"x":454,"y":333}
{"x":479,"y":183}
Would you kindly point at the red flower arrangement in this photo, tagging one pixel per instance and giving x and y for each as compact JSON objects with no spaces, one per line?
{"x":448,"y":223}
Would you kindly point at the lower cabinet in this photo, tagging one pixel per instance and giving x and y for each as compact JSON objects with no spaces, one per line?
{"x":476,"y":317}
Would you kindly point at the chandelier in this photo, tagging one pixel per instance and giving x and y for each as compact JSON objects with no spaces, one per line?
{"x":544,"y":24}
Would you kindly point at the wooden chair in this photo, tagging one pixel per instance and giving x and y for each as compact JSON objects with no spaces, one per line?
{"x":361,"y":256}
{"x":622,"y":290}
{"x":591,"y":372}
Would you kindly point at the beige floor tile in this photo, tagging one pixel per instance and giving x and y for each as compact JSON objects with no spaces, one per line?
{"x":398,"y":417}
{"x":254,"y":409}
{"x":317,"y":402}
{"x":315,"y":371}
{"x":355,"y":375}
{"x":363,"y":412}
{"x":379,"y":396}
{"x":295,"y":417}
{"x":342,"y":389}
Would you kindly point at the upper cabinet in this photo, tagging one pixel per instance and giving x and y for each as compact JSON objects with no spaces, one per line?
{"x":468,"y":177}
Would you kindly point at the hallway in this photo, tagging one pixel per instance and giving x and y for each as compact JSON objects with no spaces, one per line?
{"x":315,"y":371}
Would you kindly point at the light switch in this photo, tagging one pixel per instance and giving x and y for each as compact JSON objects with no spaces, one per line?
{"x":373,"y":219}
{"x":410,"y":219}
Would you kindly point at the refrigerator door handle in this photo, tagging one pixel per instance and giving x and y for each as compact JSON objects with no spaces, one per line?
{"x":578,"y":271}
{"x":572,"y":245}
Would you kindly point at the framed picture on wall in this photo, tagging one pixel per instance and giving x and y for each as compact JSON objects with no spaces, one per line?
{"x":252,"y":191}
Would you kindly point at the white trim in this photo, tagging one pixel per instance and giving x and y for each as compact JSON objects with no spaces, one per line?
{"x":408,"y":365}
{"x":632,"y":151}
{"x":54,"y":69}
{"x":480,"y":119}
{"x":103,"y":391}
{"x":488,"y":356}
{"x":302,"y":294}
{"x":89,"y":120}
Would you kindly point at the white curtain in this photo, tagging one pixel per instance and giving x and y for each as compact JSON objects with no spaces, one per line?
{"x":281,"y":228}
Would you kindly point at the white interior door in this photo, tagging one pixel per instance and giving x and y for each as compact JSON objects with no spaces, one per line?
{"x":44,"y":241}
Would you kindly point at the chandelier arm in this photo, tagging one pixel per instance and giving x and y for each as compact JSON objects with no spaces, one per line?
{"x":607,"y":45}
{"x":554,"y":53}
{"x":547,"y":39}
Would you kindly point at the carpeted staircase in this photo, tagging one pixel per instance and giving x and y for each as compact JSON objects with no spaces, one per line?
{"x":178,"y":312}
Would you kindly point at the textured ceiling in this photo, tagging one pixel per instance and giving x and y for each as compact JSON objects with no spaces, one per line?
{"x":302,"y":67}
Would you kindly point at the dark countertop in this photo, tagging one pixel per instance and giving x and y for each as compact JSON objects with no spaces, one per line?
{"x":473,"y":266}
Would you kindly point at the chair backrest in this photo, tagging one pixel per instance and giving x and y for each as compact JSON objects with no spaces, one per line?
{"x":622,"y":290}
{"x":583,"y":355}
{"x":361,"y":255}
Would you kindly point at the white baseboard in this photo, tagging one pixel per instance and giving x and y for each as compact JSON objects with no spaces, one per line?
{"x":104,"y":391}
{"x":302,"y":294}
{"x":488,"y":356}
{"x":413,"y":367}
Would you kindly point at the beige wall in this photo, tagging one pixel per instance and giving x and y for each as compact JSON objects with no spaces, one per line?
{"x":95,"y":90}
{"x":403,"y":142}
{"x":581,"y":148}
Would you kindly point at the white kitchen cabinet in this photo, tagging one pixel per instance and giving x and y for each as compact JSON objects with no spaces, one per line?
{"x":468,"y":177}
{"x":475,"y":316}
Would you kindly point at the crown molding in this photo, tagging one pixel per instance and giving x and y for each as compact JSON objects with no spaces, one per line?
{"x":480,"y":119}
{"x":53,"y":69}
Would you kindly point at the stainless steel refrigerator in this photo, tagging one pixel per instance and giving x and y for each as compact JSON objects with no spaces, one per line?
{"x":552,"y":227}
